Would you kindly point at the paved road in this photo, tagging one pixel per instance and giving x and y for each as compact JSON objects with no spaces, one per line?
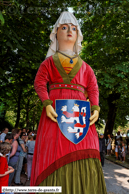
{"x":116,"y":178}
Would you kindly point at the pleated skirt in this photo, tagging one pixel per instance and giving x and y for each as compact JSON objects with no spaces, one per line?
{"x":79,"y":177}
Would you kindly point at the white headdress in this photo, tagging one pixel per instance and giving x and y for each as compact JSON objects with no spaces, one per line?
{"x":65,"y":18}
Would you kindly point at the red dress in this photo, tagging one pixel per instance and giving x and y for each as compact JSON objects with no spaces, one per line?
{"x":3,"y":169}
{"x":52,"y":149}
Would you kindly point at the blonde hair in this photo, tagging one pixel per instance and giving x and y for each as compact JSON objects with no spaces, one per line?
{"x":5,"y":148}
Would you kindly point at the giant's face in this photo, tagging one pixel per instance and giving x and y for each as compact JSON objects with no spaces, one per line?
{"x":67,"y":33}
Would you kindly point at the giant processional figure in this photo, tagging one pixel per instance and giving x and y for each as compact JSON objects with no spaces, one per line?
{"x":67,"y":147}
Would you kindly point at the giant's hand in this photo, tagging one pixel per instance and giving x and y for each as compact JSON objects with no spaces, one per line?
{"x":51,"y":113}
{"x":94,"y":117}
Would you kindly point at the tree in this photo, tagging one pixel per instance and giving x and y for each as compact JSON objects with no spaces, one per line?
{"x":24,"y":42}
{"x":106,"y":48}
{"x":25,"y":39}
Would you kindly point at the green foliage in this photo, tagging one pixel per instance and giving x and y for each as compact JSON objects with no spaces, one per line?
{"x":24,"y":42}
{"x":105,"y":26}
{"x":1,"y":18}
{"x":1,"y":110}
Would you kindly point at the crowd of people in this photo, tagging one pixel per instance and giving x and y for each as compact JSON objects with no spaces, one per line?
{"x":113,"y":145}
{"x":17,"y":148}
{"x":120,"y":149}
{"x":16,"y":155}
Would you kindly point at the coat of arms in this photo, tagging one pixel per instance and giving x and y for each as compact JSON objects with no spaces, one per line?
{"x":73,"y":119}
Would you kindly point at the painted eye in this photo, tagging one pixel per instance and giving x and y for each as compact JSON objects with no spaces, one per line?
{"x":64,"y":28}
{"x":74,"y":29}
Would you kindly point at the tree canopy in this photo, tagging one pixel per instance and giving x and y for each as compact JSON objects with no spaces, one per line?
{"x":105,"y":47}
{"x":25,"y":30}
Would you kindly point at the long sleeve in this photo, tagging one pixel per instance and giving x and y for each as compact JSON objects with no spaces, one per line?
{"x":92,"y":90}
{"x":40,"y":83}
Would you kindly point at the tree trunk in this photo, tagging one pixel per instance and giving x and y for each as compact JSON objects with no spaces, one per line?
{"x":111,"y":113}
{"x":18,"y":109}
{"x":27,"y":114}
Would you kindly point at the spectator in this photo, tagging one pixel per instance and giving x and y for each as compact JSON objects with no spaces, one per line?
{"x":123,"y":152}
{"x":24,"y":169}
{"x":112,"y":139}
{"x":5,"y":170}
{"x":26,"y":137}
{"x":9,"y":138}
{"x":102,"y":148}
{"x":119,"y":152}
{"x":116,"y":150}
{"x":109,"y":145}
{"x":14,"y":155}
{"x":127,"y":139}
{"x":30,"y":145}
{"x":2,"y":136}
{"x":33,"y":133}
{"x":21,"y":158}
{"x":24,"y":131}
{"x":29,"y":139}
{"x":112,"y":136}
{"x":118,"y":138}
{"x":29,"y":133}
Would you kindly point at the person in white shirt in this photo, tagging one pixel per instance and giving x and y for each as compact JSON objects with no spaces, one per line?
{"x":109,"y":145}
{"x":2,"y":136}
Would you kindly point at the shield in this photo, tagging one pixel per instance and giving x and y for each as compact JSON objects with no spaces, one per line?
{"x":73,"y":119}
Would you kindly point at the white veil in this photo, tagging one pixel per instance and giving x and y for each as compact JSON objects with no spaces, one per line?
{"x":65,"y":18}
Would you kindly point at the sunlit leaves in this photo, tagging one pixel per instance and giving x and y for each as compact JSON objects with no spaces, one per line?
{"x":106,"y":49}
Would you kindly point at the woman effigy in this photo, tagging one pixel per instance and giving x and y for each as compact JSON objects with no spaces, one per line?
{"x":58,"y":161}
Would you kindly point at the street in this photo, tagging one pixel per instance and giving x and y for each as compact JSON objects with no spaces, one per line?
{"x":116,"y":178}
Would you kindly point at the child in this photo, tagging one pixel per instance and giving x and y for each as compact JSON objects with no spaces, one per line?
{"x":5,"y":170}
{"x":123,"y":152}
{"x":116,"y":151}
